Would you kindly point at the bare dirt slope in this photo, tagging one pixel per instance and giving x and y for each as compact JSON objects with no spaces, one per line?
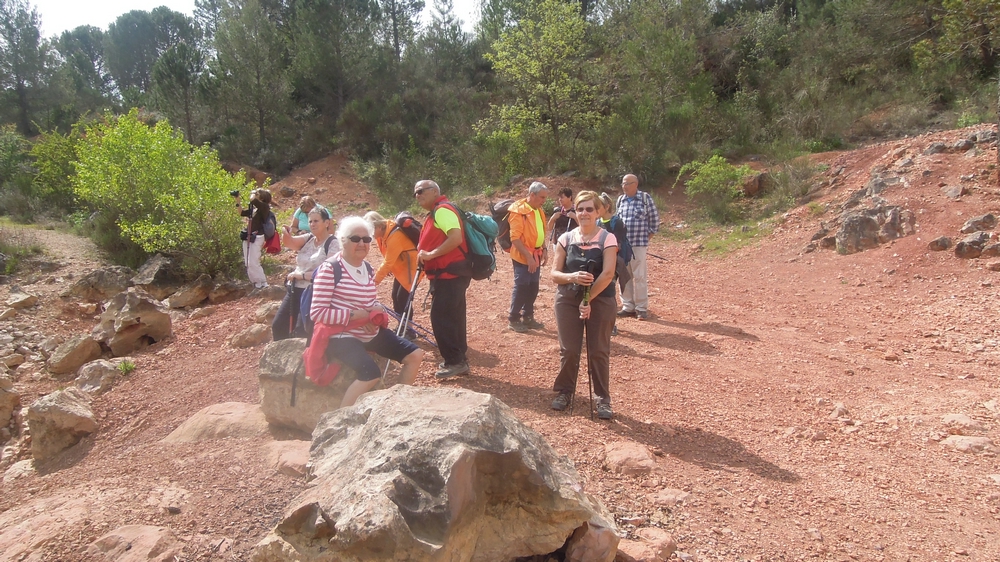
{"x":731,"y":384}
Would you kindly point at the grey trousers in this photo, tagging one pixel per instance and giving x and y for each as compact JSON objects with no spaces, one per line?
{"x":571,"y":336}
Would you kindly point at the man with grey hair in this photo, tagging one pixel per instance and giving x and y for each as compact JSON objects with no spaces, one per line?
{"x":528,"y":252}
{"x":638,"y":211}
{"x":441,"y":250}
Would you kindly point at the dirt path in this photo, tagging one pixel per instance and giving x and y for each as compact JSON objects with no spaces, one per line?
{"x":732,"y":386}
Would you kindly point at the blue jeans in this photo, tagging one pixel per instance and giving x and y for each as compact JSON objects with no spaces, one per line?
{"x":522,"y":298}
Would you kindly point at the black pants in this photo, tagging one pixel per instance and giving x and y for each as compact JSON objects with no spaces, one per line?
{"x":400,"y":296}
{"x":288,"y":315}
{"x":448,"y":318}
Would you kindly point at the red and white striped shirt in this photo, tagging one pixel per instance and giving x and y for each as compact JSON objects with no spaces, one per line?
{"x":332,"y":302}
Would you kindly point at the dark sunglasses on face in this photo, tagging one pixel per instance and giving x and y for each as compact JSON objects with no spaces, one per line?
{"x":585,"y":209}
{"x":356,"y":239}
{"x":421,"y":191}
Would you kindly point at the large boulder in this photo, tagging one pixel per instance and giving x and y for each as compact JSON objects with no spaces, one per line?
{"x":101,"y":284}
{"x":252,"y":335}
{"x":131,"y":321}
{"x":72,"y":354}
{"x":280,"y":370}
{"x":192,"y":294}
{"x":58,"y":421}
{"x":415,"y":473}
{"x":858,"y":232}
{"x":159,"y":276}
{"x":220,"y":421}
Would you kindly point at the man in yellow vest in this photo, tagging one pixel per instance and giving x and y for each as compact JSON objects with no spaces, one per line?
{"x":528,"y":252}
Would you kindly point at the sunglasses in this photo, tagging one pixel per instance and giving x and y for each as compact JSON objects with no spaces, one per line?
{"x":356,"y":239}
{"x":586,"y":209}
{"x":421,"y":191}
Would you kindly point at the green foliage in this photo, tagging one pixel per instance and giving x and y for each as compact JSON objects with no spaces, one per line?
{"x":54,"y":156}
{"x":16,"y":198}
{"x":125,"y":367}
{"x":715,"y":184}
{"x":816,"y":209}
{"x":160,"y":193}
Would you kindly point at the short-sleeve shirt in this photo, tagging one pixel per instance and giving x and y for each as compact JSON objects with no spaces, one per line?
{"x":446,"y":220}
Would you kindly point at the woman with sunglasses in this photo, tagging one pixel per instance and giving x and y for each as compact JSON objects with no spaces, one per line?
{"x":347,"y":302}
{"x":583,"y":269}
{"x":314,"y":246}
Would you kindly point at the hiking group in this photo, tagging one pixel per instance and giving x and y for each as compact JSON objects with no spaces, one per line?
{"x":587,"y":245}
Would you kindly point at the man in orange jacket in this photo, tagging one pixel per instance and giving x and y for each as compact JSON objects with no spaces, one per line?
{"x":528,"y":252}
{"x":399,"y":259}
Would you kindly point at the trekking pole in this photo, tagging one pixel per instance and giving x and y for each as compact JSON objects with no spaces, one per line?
{"x":652,"y":255}
{"x":404,"y":319}
{"x":591,"y":264}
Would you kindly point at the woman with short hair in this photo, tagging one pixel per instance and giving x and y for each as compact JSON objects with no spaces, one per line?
{"x":300,"y":218}
{"x":312,"y":248}
{"x":584,"y":269}
{"x":346,"y":302}
{"x":399,"y":259}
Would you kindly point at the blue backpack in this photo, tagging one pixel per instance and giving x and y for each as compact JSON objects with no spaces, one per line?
{"x":480,"y":232}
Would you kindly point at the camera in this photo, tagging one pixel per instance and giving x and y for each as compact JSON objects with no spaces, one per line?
{"x":234,"y":193}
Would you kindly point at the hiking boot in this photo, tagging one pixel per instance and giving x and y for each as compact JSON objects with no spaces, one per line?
{"x":604,"y":410}
{"x":411,"y":335}
{"x":532,"y":324}
{"x":641,"y":315}
{"x":561,"y":402}
{"x":517,"y":326}
{"x":448,"y":371}
{"x":626,"y":313}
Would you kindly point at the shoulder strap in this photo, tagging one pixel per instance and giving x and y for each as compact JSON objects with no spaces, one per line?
{"x":603,"y":238}
{"x":326,"y":245}
{"x":338,"y":272}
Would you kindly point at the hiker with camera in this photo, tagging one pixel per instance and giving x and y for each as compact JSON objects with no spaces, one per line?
{"x":528,"y":254}
{"x":399,"y":258}
{"x":312,"y":248}
{"x":257,"y":213}
{"x":584,"y":269}
{"x":346,"y":313}
{"x":442,"y":250}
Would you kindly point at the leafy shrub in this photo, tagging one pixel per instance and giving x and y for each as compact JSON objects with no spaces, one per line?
{"x":715,"y":185}
{"x":15,"y":176}
{"x":54,"y":156}
{"x":156,"y":191}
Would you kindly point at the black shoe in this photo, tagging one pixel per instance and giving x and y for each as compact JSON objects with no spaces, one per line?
{"x":532,"y":324}
{"x":561,"y":402}
{"x":517,"y":326}
{"x":448,"y":371}
{"x":642,"y":315}
{"x":604,"y":410}
{"x":626,"y":313}
{"x":614,"y":330}
{"x":411,"y":335}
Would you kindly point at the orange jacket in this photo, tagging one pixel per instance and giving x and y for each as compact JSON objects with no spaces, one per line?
{"x":399,"y":257}
{"x":523,"y":227}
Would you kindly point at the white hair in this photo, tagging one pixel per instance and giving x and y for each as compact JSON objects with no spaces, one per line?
{"x":536,"y":187}
{"x":348,"y":225}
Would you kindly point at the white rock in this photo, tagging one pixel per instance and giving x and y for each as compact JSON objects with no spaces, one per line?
{"x":970,"y":444}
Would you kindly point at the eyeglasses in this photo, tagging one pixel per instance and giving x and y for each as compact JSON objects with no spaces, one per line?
{"x":421,"y":191}
{"x":586,"y":209}
{"x":357,"y":239}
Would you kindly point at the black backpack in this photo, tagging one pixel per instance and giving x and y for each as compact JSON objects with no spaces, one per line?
{"x":500,"y":211}
{"x":409,"y":225}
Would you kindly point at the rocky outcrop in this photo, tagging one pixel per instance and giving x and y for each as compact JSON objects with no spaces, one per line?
{"x":132,"y":320}
{"x":226,"y":291}
{"x":220,"y":421}
{"x":159,"y":277}
{"x":858,"y":232}
{"x":192,"y":294}
{"x":280,"y":370}
{"x":101,"y":284}
{"x":72,"y":354}
{"x":416,"y":473}
{"x":58,"y":421}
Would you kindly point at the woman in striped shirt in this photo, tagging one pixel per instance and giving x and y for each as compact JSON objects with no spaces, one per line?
{"x":347,"y":302}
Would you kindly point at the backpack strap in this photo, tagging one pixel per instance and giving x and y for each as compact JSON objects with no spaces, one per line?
{"x":326,"y":245}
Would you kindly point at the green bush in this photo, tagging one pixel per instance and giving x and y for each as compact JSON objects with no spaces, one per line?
{"x":15,"y":176}
{"x":156,"y":191}
{"x":715,"y":185}
{"x":54,"y":156}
